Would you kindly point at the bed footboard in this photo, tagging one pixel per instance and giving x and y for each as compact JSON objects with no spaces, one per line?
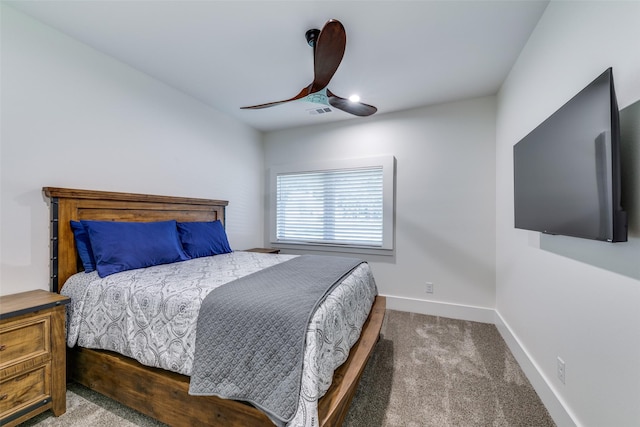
{"x":164,"y":395}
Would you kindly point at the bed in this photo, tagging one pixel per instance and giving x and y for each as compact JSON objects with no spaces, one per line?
{"x":159,"y":393}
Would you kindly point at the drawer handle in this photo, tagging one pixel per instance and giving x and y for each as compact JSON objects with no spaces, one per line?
{"x":3,"y":347}
{"x":4,"y":396}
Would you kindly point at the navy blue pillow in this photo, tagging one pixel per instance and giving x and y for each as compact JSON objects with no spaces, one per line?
{"x":83,"y":246}
{"x":120,"y":246}
{"x":203,"y":238}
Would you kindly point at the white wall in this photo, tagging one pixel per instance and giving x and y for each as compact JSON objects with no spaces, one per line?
{"x":73,"y":117}
{"x":445,"y":210}
{"x":561,"y":296}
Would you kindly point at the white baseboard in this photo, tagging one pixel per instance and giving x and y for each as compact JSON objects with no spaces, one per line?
{"x":550,"y":399}
{"x":542,"y":386}
{"x":443,"y":309}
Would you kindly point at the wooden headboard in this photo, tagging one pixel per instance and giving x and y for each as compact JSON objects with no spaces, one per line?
{"x":69,"y":204}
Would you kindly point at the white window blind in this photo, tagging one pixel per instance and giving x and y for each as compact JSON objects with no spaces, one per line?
{"x":339,"y":207}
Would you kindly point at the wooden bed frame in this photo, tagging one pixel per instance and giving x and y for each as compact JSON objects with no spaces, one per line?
{"x":157,"y":393}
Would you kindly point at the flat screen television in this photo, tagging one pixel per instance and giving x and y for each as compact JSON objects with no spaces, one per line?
{"x":567,"y":170}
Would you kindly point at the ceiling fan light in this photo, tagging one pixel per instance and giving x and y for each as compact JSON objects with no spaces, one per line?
{"x":354,"y":98}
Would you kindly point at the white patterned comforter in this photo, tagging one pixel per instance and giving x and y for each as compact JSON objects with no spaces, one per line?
{"x":150,"y":315}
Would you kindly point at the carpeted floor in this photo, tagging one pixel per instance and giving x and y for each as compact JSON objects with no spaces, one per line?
{"x":425,"y":371}
{"x":435,"y":371}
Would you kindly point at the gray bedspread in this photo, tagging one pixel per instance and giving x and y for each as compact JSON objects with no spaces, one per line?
{"x":270,"y":310}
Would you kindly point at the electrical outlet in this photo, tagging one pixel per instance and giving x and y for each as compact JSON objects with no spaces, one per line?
{"x":561,"y":370}
{"x":429,"y":288}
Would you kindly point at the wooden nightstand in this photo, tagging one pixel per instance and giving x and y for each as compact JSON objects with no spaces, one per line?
{"x":32,"y":355}
{"x":264,"y":250}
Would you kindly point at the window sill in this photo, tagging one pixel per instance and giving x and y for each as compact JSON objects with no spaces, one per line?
{"x":309,"y":247}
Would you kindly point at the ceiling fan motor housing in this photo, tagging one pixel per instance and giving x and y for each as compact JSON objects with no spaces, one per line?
{"x":312,"y":36}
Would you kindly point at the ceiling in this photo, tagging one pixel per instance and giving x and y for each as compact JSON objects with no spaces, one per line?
{"x":228,"y":54}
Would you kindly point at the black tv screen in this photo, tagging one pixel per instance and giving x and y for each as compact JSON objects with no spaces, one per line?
{"x":567,"y":170}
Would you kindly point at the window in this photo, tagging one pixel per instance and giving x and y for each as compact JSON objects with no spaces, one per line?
{"x":348,"y":205}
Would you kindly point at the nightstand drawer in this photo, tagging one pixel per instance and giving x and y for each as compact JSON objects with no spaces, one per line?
{"x":26,"y":389}
{"x":23,"y":340}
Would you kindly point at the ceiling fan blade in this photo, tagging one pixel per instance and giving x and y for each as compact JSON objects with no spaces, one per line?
{"x":303,"y":93}
{"x":328,"y":52}
{"x":355,"y":108}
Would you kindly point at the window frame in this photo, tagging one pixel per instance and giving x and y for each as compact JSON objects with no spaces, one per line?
{"x":387,"y":163}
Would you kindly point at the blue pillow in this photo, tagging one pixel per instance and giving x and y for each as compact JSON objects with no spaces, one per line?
{"x":83,"y":246}
{"x":120,"y":246}
{"x":203,"y":238}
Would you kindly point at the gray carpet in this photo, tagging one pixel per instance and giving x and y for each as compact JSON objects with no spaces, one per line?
{"x":425,"y":371}
{"x":435,"y":371}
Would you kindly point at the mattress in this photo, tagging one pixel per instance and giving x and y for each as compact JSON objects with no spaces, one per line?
{"x":150,"y":315}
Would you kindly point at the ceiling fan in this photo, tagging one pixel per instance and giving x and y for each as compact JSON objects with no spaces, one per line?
{"x":328,"y":49}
